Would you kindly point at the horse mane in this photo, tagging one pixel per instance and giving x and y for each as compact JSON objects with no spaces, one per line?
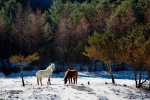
{"x":50,"y":66}
{"x":66,"y":73}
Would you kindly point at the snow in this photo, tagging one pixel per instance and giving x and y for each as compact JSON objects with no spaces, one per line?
{"x":100,"y":87}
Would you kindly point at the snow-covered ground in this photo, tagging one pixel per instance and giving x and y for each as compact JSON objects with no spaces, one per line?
{"x":100,"y":87}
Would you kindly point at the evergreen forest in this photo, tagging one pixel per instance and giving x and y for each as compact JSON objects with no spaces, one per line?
{"x":77,"y":31}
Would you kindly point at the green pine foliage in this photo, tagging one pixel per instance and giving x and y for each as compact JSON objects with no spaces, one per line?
{"x":55,"y":12}
{"x":9,"y":10}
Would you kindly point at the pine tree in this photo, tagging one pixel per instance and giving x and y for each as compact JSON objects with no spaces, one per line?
{"x":103,"y":47}
{"x":21,"y":60}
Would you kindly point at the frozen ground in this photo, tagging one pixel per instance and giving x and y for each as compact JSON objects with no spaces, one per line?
{"x":100,"y":87}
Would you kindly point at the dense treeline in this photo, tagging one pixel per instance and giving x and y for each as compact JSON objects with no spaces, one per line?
{"x":112,"y":31}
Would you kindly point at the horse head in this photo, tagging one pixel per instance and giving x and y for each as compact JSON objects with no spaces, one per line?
{"x":65,"y":80}
{"x":52,"y":66}
{"x":66,"y":76}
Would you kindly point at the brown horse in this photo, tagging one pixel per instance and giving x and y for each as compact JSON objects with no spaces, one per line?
{"x":69,"y":75}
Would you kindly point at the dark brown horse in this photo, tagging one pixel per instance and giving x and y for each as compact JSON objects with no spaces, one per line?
{"x":69,"y":75}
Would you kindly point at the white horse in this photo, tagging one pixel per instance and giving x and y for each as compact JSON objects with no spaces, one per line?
{"x":47,"y":73}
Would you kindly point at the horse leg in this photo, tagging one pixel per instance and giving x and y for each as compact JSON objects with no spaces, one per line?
{"x":48,"y":82}
{"x":76,"y":80}
{"x":71,"y":80}
{"x":37,"y":81}
{"x":41,"y":80}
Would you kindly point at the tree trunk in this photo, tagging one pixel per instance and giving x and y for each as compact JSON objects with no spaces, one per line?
{"x":2,"y":45}
{"x":135,"y":78}
{"x":89,"y":68}
{"x":140,"y":77}
{"x":22,"y":76}
{"x":80,"y":67}
{"x":103,"y":65}
{"x":95,"y":66}
{"x":122,"y":66}
{"x":110,"y":72}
